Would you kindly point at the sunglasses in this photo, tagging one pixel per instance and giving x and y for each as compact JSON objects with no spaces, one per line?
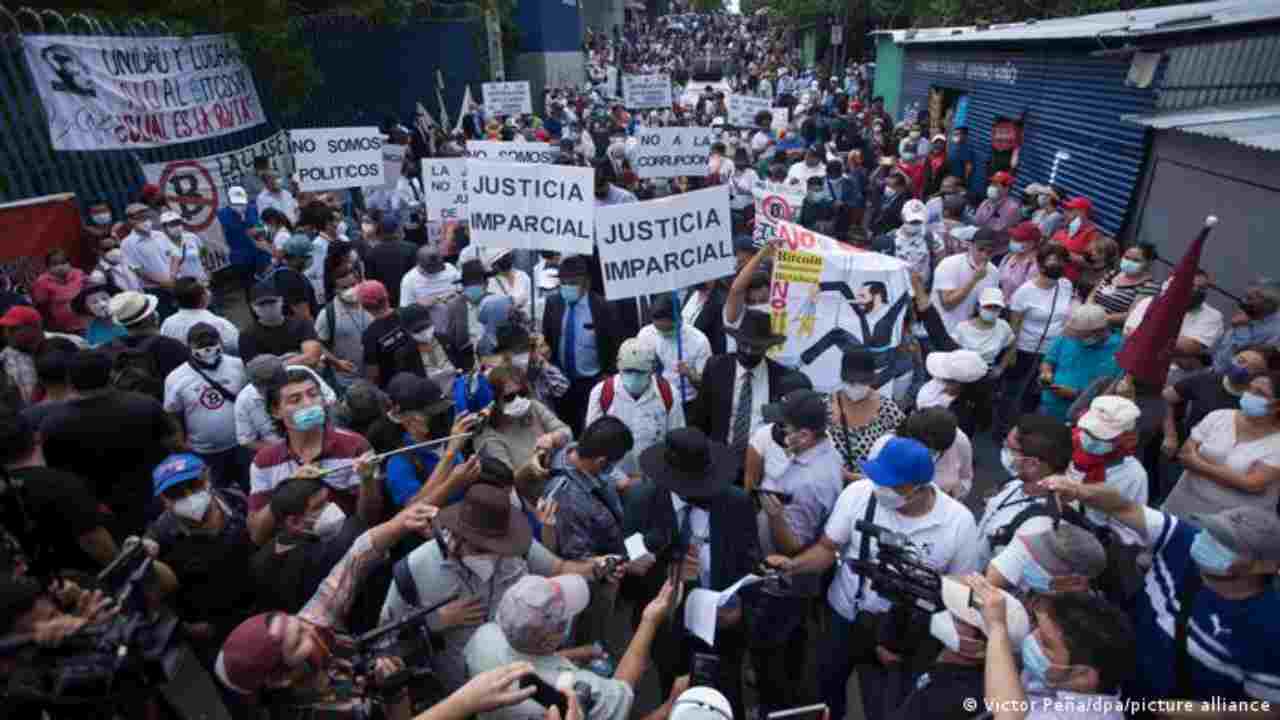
{"x":515,"y":395}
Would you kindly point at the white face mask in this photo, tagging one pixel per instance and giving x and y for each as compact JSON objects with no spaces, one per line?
{"x":520,"y":361}
{"x":329,"y":522}
{"x":855,"y":391}
{"x":102,"y":218}
{"x":145,"y":226}
{"x":99,"y":305}
{"x":194,"y":506}
{"x":114,"y":256}
{"x":348,"y":296}
{"x":517,"y":408}
{"x":482,"y":565}
{"x":1007,"y":459}
{"x":208,"y":355}
{"x":425,"y":335}
{"x":889,"y":499}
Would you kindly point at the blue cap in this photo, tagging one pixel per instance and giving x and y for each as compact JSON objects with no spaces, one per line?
{"x":902,"y":461}
{"x":174,"y":470}
{"x":298,"y":245}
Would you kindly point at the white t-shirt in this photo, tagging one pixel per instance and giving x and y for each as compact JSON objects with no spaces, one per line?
{"x":1035,"y":304}
{"x":774,"y":456}
{"x":1204,"y":324}
{"x":947,"y":538}
{"x":987,"y":342}
{"x":954,"y":272}
{"x":1216,"y":434}
{"x":1128,"y":478}
{"x":209,"y":416}
{"x":418,"y":287}
{"x":187,"y":254}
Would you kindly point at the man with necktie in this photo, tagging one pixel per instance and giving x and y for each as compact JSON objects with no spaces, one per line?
{"x":730,"y":412}
{"x":582,"y":332}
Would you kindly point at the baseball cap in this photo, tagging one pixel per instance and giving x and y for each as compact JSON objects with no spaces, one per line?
{"x":20,"y":316}
{"x":136,"y":209}
{"x":250,"y":656}
{"x":964,"y":366}
{"x":1078,"y":203}
{"x":1109,"y":417}
{"x":1066,"y":550}
{"x":1253,"y":532}
{"x":1026,"y":231}
{"x":1003,"y":178}
{"x":991,"y":296}
{"x":914,"y":211}
{"x":237,"y":196}
{"x":414,"y":393}
{"x":535,"y":612}
{"x":635,"y":355}
{"x":371,"y":292}
{"x":415,"y":317}
{"x":298,"y":245}
{"x":801,"y":409}
{"x":263,"y":291}
{"x":169,"y":216}
{"x":958,"y":598}
{"x":266,"y":371}
{"x":201,"y":333}
{"x":701,"y":702}
{"x":175,"y":470}
{"x":902,"y":461}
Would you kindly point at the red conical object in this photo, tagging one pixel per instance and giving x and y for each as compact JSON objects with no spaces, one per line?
{"x":1147,"y":352}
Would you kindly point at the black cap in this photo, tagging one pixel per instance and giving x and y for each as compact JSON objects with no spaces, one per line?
{"x":414,"y":318}
{"x":413,"y":393}
{"x":264,"y":290}
{"x":858,"y":366}
{"x":793,"y":381}
{"x":202,"y":334}
{"x":987,"y":238}
{"x":804,"y":409}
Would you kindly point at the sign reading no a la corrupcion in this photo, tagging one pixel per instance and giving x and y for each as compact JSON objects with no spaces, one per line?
{"x":335,"y":158}
{"x":643,"y":92}
{"x":507,"y":98}
{"x":665,"y":244}
{"x":531,"y":207}
{"x":672,"y":152}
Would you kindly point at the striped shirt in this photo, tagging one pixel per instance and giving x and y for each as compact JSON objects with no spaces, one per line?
{"x":1119,"y":298}
{"x":1234,"y":645}
{"x":275,"y":464}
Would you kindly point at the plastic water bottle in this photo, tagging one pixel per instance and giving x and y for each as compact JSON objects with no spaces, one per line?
{"x":603,"y":664}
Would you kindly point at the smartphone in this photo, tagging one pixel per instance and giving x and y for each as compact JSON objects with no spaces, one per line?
{"x":704,"y":670}
{"x":782,"y":497}
{"x":546,"y":694}
{"x":808,"y":712}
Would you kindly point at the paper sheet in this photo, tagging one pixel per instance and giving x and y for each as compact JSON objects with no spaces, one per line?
{"x":734,"y":589}
{"x":701,"y":605}
{"x":635,"y":547}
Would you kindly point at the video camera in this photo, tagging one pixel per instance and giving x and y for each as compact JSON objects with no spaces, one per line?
{"x":899,"y":575}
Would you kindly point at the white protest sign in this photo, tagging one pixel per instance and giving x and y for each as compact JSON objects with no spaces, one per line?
{"x":533,"y":207}
{"x":744,"y":108}
{"x":115,"y":92}
{"x":336,"y":158}
{"x":672,"y":152}
{"x":517,"y":152}
{"x":641,"y":92}
{"x":392,"y":164}
{"x":665,"y":244}
{"x":775,"y":202}
{"x":507,"y":98}
{"x":445,"y":183}
{"x":781,"y":118}
{"x":827,"y":296}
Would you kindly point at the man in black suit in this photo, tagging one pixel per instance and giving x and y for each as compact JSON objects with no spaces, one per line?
{"x":582,"y":331}
{"x":741,"y":384}
{"x":700,"y":529}
{"x":888,"y":216}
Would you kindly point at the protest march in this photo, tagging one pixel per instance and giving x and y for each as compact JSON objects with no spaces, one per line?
{"x":713,"y":364}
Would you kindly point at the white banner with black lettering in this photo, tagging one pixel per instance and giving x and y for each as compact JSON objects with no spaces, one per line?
{"x":828,"y":296}
{"x":445,"y":182}
{"x":517,"y":152}
{"x":744,"y":108}
{"x":534,"y":207}
{"x":672,"y":152}
{"x":665,"y":244}
{"x":643,"y":92}
{"x":507,"y":98}
{"x":335,"y":158}
{"x":117,"y":93}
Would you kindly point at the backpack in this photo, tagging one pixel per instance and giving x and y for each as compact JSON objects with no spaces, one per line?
{"x":1040,"y":507}
{"x":135,"y":369}
{"x":606,"y":393}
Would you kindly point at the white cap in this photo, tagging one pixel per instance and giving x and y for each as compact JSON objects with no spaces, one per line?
{"x":964,"y":366}
{"x":913,"y":211}
{"x":959,"y":601}
{"x":991,"y":296}
{"x":1109,"y":417}
{"x":169,"y":216}
{"x":701,"y":703}
{"x":237,"y":196}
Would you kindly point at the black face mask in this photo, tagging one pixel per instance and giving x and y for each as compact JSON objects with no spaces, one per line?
{"x":779,"y":434}
{"x":1053,"y":272}
{"x":749,"y":359}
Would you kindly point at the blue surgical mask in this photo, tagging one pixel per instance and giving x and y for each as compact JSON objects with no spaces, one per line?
{"x":474,"y":293}
{"x":988,"y":315}
{"x":1034,"y":661}
{"x":308,"y":418}
{"x":1074,"y":226}
{"x":1211,"y":555}
{"x":570,"y":293}
{"x":1036,"y":578}
{"x":1254,"y":405}
{"x":1130,"y":267}
{"x":1094,"y":446}
{"x":1016,"y":247}
{"x":635,"y":382}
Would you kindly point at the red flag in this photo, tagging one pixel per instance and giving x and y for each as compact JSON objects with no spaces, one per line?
{"x":1147,"y":352}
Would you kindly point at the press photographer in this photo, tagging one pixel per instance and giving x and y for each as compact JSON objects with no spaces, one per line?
{"x":900,"y":497}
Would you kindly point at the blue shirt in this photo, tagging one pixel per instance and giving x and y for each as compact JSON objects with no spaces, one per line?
{"x":1257,"y":332}
{"x":1234,"y":645}
{"x":471,"y":393}
{"x":236,"y":231}
{"x":957,"y":157}
{"x":584,"y":346}
{"x":1076,"y":366}
{"x":404,"y":480}
{"x":102,"y":331}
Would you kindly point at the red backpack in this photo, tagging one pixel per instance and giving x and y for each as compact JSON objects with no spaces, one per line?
{"x":606,"y":393}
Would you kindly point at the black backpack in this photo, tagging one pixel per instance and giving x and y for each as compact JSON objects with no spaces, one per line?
{"x":135,"y":369}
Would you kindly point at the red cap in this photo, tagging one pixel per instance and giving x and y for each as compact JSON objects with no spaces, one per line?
{"x":1026,"y":231}
{"x":151,"y":190}
{"x":1078,"y":203}
{"x":371,"y":292}
{"x":20,"y":316}
{"x":1003,"y":178}
{"x":250,"y":656}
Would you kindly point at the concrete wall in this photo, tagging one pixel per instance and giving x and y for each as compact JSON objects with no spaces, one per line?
{"x":601,"y":15}
{"x":552,"y":69}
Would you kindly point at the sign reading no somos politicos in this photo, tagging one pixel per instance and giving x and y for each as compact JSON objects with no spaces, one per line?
{"x":672,"y":152}
{"x":334,"y":158}
{"x":641,"y":92}
{"x":532,"y":207}
{"x":507,"y":98}
{"x":519,"y":152}
{"x":665,"y":244}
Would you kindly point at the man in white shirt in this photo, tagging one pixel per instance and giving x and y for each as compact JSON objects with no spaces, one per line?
{"x":1202,"y":326}
{"x":811,"y":167}
{"x":185,"y":247}
{"x":645,"y":402}
{"x":193,"y":303}
{"x":1105,"y":437}
{"x":275,"y":196}
{"x":201,"y":395}
{"x":901,"y":497}
{"x":433,"y":281}
{"x":147,"y":251}
{"x":684,"y":358}
{"x":959,"y":280}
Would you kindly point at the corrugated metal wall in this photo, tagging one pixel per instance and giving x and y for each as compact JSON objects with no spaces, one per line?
{"x":1216,"y":73}
{"x":1067,"y":100}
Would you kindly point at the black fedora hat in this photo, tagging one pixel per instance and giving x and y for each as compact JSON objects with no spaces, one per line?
{"x":756,"y":330}
{"x":690,"y":465}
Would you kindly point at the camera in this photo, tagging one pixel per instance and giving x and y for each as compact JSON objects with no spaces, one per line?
{"x":900,"y":575}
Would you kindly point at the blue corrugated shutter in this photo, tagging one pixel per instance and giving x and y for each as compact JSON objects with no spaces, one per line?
{"x":1067,"y":101}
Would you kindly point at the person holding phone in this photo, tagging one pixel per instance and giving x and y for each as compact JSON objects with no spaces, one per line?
{"x":794,"y":501}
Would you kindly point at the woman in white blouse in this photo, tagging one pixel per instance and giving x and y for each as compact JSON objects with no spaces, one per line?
{"x":515,"y":284}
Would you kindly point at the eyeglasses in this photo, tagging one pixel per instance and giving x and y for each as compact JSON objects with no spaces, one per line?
{"x":515,"y":395}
